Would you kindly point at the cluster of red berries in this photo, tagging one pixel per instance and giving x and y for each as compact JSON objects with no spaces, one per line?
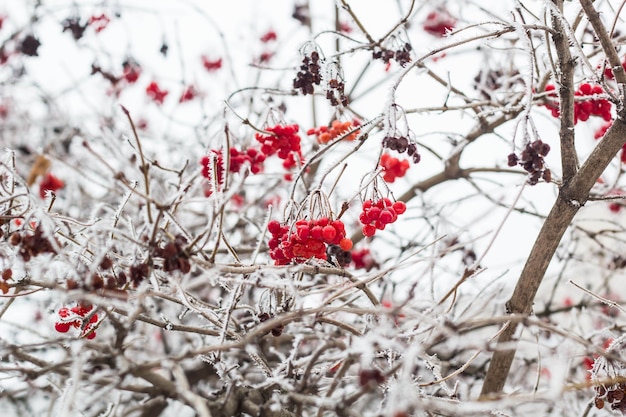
{"x":614,"y":395}
{"x":306,"y":239}
{"x":31,"y":243}
{"x":309,"y":74}
{"x":250,"y":155}
{"x":586,"y":107}
{"x":189,"y":93}
{"x":438,"y":23}
{"x":393,"y":167}
{"x":211,"y":65}
{"x":99,"y":22}
{"x":50,"y":183}
{"x":237,"y":160}
{"x":76,"y":317}
{"x":532,"y":161}
{"x":130,"y":71}
{"x":325,"y":134}
{"x":376,"y":215}
{"x":363,"y":259}
{"x":156,"y":93}
{"x":268,"y":36}
{"x":283,"y":141}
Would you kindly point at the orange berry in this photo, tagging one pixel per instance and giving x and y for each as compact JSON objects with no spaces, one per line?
{"x":345,"y":244}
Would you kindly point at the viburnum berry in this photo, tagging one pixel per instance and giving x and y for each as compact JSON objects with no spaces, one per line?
{"x":376,"y":215}
{"x":74,"y":26}
{"x":268,"y":36}
{"x":363,"y":259}
{"x":29,"y":45}
{"x":211,"y":65}
{"x":392,"y":167}
{"x":156,"y":93}
{"x":438,"y":23}
{"x":99,"y":22}
{"x":189,"y":93}
{"x":399,"y":207}
{"x":50,"y":183}
{"x":130,"y":71}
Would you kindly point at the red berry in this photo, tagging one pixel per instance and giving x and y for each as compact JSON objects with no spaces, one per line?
{"x":329,"y":233}
{"x":373,"y":214}
{"x":369,"y":230}
{"x":386,"y":216}
{"x":399,"y":207}
{"x":302,"y":232}
{"x":62,"y":327}
{"x":316,"y":232}
{"x":345,"y":244}
{"x":274,"y":227}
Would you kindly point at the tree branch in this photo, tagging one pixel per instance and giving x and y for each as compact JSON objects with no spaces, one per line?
{"x":572,"y":196}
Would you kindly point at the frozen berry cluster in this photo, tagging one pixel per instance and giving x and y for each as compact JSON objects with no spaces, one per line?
{"x":307,"y":239}
{"x":402,"y":144}
{"x":31,"y":243}
{"x":174,"y":255}
{"x":402,"y":55}
{"x":326,"y":134}
{"x":250,"y":155}
{"x":393,"y":167}
{"x":211,"y":65}
{"x":376,"y":215}
{"x":336,"y":92}
{"x":283,"y":141}
{"x":156,"y":93}
{"x":77,"y":317}
{"x":438,"y":23}
{"x":309,"y":74}
{"x":586,"y":105}
{"x":614,"y":395}
{"x":532,"y":161}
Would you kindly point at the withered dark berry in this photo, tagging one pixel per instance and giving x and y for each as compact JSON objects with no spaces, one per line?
{"x":29,"y":45}
{"x":335,"y":253}
{"x":309,"y":74}
{"x":73,"y":25}
{"x":531,"y":159}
